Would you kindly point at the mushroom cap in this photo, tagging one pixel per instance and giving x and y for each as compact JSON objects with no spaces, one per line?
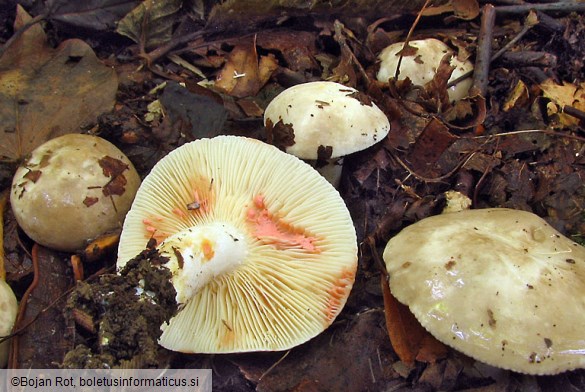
{"x":500,"y":285}
{"x":421,"y":67}
{"x":326,"y":120}
{"x":8,"y":311}
{"x":72,"y":189}
{"x":262,"y":249}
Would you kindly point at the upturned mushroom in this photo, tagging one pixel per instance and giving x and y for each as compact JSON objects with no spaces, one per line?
{"x":71,"y":189}
{"x":420,"y":61}
{"x":323,"y":121}
{"x":261,"y":248}
{"x":500,"y":285}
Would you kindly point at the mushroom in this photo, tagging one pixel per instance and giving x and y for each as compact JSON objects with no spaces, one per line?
{"x":261,"y":248}
{"x":420,"y":65}
{"x":322,"y":122}
{"x":72,"y":189}
{"x":8,"y":310}
{"x":500,"y":285}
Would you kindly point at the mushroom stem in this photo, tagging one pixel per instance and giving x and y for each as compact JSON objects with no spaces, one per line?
{"x":200,"y":254}
{"x":331,"y":170}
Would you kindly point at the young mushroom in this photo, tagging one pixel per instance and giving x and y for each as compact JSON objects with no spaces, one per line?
{"x":71,"y":189}
{"x":500,"y":285}
{"x":420,"y":60}
{"x":261,"y":248}
{"x":8,"y":310}
{"x":323,"y":121}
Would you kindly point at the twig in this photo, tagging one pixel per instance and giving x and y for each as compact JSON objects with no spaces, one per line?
{"x":152,"y":56}
{"x":274,"y":365}
{"x":433,"y":179}
{"x":574,"y":112}
{"x":572,"y":6}
{"x":484,"y":50}
{"x":528,"y":24}
{"x":545,"y":131}
{"x":342,"y":41}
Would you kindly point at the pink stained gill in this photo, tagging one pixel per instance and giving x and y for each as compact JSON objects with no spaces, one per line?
{"x":338,"y":293}
{"x":271,"y":230}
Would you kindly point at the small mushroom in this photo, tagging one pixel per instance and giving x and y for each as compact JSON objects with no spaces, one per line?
{"x":8,"y":311}
{"x":420,"y":64}
{"x":322,"y":122}
{"x":72,"y":189}
{"x":499,"y":285}
{"x":261,"y":248}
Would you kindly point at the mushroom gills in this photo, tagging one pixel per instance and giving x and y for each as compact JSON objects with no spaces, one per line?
{"x":200,"y":254}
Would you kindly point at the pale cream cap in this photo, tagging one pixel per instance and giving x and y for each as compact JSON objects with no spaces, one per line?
{"x":499,"y":285}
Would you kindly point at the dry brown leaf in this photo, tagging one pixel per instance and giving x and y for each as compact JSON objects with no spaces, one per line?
{"x":409,"y":339}
{"x":517,"y":97}
{"x":46,"y":92}
{"x":462,"y":9}
{"x":567,"y":94}
{"x":243,"y":75}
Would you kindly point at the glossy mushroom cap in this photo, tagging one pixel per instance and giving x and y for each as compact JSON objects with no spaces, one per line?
{"x":499,"y":285}
{"x":262,"y":249}
{"x":72,"y":189}
{"x":421,"y":65}
{"x":323,"y":120}
{"x":8,"y":311}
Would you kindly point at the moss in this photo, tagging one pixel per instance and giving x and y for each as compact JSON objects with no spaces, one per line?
{"x":119,"y":315}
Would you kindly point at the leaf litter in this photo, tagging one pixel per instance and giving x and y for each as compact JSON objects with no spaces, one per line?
{"x":46,"y":92}
{"x":522,"y":147}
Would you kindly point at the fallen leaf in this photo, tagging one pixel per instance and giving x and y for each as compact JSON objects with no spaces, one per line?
{"x":46,"y":92}
{"x":151,"y":23}
{"x":298,"y":48}
{"x":409,"y":339}
{"x":429,"y":146}
{"x":89,"y":14}
{"x":193,"y":112}
{"x":243,"y":75}
{"x":517,"y":97}
{"x":567,"y":94}
{"x":462,"y":9}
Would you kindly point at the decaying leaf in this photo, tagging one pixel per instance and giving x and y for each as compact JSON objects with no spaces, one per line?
{"x":429,"y":146}
{"x":244,"y":75}
{"x":462,"y":9}
{"x":409,"y":339}
{"x":89,"y":14}
{"x":567,"y":94}
{"x":151,"y":23}
{"x":193,"y":113}
{"x":46,"y":92}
